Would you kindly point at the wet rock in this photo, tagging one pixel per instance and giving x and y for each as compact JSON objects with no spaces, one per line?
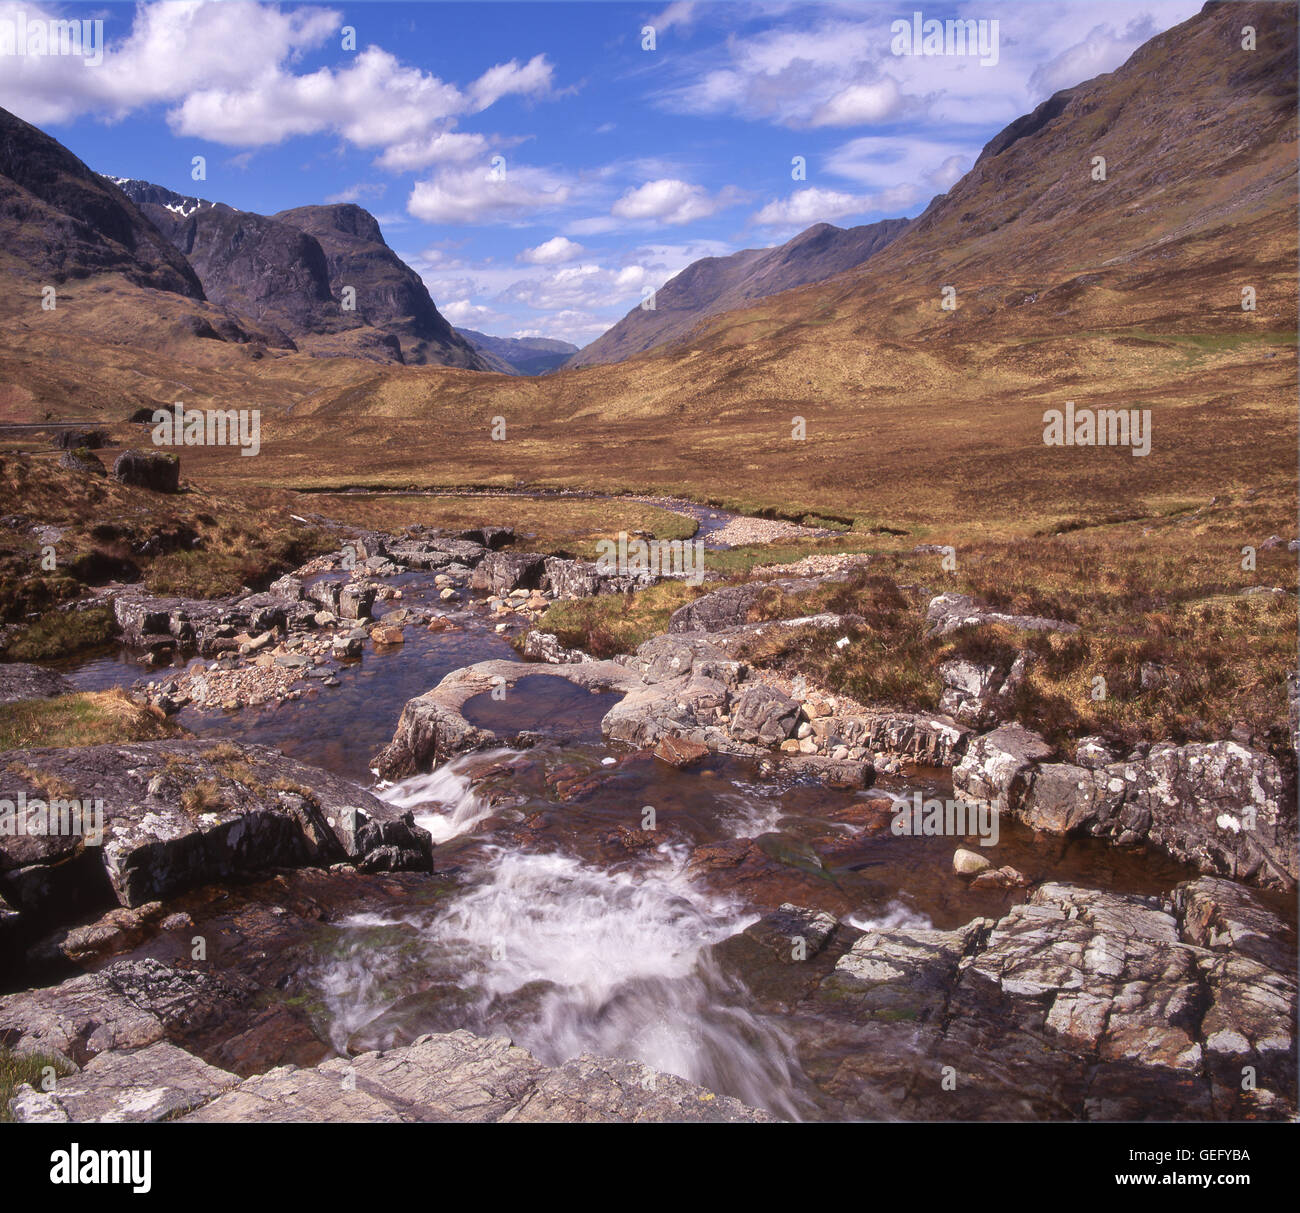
{"x":153,"y":470}
{"x":969,"y":863}
{"x":1225,"y":916}
{"x":356,"y":600}
{"x":433,"y":728}
{"x":679,"y":752}
{"x":460,"y":1078}
{"x":996,"y":766}
{"x":1219,"y":806}
{"x":1079,"y":1004}
{"x":387,"y":635}
{"x":126,"y":1005}
{"x":763,"y":715}
{"x":833,"y":772}
{"x":19,"y":681}
{"x":793,"y":933}
{"x":1000,"y":878}
{"x":346,"y":646}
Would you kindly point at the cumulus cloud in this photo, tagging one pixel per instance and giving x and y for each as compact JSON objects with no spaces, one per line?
{"x":806,"y":207}
{"x":670,"y":201}
{"x":552,"y":252}
{"x":482,"y":195}
{"x":861,"y":104}
{"x":442,"y":147}
{"x":533,"y":79}
{"x":227,"y":71}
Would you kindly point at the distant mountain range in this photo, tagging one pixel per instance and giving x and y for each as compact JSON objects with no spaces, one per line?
{"x":720,"y":284}
{"x":520,"y":355}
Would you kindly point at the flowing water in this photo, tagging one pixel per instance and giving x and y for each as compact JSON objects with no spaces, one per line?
{"x":570,"y":925}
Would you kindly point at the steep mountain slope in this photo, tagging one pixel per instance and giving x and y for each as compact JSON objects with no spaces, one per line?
{"x":60,"y":221}
{"x":520,"y":355}
{"x":390,"y":296}
{"x":1124,"y":292}
{"x":289,"y":271}
{"x":720,"y":284}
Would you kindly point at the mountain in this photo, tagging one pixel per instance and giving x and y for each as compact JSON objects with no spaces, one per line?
{"x":60,"y":221}
{"x":520,"y":355}
{"x":1122,"y":292}
{"x":289,"y":271}
{"x":721,"y":284}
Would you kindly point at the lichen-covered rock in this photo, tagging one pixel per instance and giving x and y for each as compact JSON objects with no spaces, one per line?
{"x":155,"y":1083}
{"x":19,"y":681}
{"x":948,"y":612}
{"x":720,"y":609}
{"x":995,"y":767}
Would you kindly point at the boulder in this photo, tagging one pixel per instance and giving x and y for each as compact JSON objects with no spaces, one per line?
{"x":996,"y":766}
{"x":980,"y":694}
{"x":155,"y":470}
{"x":763,"y":715}
{"x":84,"y":461}
{"x":720,"y":609}
{"x":679,"y":752}
{"x":356,"y":600}
{"x":502,"y":572}
{"x":545,"y":646}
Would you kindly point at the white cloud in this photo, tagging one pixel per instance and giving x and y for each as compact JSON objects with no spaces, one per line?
{"x":480,"y":195}
{"x":552,"y":252}
{"x":534,"y":79}
{"x":443,"y":147}
{"x":670,"y":201}
{"x":806,"y":207}
{"x":860,"y":104}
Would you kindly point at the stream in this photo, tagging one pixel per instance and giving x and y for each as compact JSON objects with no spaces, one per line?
{"x":572,"y":929}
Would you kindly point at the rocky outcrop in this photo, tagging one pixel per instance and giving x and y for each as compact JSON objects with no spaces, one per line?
{"x":1079,"y":1004}
{"x":980,"y":694}
{"x":454,"y":1077}
{"x":83,"y":461}
{"x":763,"y":716}
{"x":155,"y":470}
{"x":948,"y":612}
{"x":433,"y":728}
{"x":724,"y":608}
{"x":1219,"y":806}
{"x":207,"y":626}
{"x":19,"y":681}
{"x":157,"y":818}
{"x":546,"y":646}
{"x":996,"y":767}
{"x":501,"y":572}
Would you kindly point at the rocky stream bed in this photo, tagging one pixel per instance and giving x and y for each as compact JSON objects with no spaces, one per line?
{"x":405,"y":871}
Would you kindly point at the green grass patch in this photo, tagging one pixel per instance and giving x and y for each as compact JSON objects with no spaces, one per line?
{"x":61,"y":634}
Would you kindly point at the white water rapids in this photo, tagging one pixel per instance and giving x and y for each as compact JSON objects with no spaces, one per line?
{"x":567,"y":958}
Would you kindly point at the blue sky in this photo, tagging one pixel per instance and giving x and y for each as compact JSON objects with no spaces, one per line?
{"x":533,"y":161}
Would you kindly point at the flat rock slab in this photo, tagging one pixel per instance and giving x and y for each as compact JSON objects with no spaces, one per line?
{"x":19,"y":681}
{"x":462,"y":1078}
{"x":157,"y":1082}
